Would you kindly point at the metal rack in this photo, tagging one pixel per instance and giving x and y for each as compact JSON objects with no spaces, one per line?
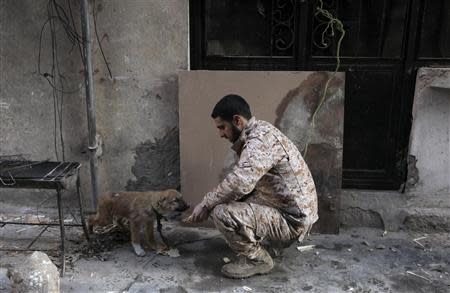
{"x":44,"y":175}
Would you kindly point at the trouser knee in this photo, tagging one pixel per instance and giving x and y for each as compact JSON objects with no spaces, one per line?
{"x":219,"y":214}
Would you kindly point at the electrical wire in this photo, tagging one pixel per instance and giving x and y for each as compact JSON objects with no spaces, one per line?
{"x":99,"y":42}
{"x":58,"y":17}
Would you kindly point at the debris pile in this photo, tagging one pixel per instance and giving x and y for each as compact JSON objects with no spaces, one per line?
{"x":100,"y":242}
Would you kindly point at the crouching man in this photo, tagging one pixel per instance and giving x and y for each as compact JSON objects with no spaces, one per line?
{"x":268,"y":195}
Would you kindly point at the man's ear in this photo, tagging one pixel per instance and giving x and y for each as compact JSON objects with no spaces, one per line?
{"x":237,"y":121}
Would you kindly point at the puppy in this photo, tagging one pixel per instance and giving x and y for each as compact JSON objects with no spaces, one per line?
{"x":141,"y":209}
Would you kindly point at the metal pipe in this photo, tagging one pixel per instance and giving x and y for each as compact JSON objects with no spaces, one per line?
{"x":84,"y":10}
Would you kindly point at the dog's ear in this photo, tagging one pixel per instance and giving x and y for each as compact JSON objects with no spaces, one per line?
{"x":161,"y":202}
{"x":175,"y":193}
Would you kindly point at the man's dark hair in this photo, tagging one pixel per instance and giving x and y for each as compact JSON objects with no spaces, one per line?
{"x":231,"y":105}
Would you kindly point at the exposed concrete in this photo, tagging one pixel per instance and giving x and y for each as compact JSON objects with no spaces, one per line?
{"x":382,"y":209}
{"x":357,"y":217}
{"x":157,"y":164}
{"x":413,"y":172}
{"x":426,"y":220}
{"x":146,"y":43}
{"x":430,"y":133}
{"x":428,"y":184}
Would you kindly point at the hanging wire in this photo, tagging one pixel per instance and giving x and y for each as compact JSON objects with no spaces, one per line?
{"x":58,"y":17}
{"x":99,"y":42}
{"x":332,"y":24}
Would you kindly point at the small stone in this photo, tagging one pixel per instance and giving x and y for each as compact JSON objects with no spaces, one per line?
{"x":349,"y":249}
{"x":36,"y":273}
{"x":316,"y":253}
{"x":381,"y":246}
{"x":172,"y":252}
{"x":5,"y":282}
{"x":248,"y":289}
{"x":393,"y":249}
{"x":349,"y":289}
{"x":226,"y":260}
{"x":365,"y":243}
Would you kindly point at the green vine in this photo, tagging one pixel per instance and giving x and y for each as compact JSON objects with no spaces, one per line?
{"x":333,"y":24}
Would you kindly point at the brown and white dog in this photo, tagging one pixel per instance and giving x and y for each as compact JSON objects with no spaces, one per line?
{"x":141,"y":209}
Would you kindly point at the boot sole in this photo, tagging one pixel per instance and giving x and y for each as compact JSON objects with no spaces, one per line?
{"x":231,"y":276}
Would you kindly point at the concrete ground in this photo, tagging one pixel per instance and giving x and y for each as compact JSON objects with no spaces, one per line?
{"x":356,"y":260}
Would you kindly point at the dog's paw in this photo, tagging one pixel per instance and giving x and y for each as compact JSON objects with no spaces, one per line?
{"x":138,"y":249}
{"x":172,"y":252}
{"x":162,"y":248}
{"x":159,"y":248}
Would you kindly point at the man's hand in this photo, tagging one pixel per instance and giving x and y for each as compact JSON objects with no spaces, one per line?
{"x":199,"y":214}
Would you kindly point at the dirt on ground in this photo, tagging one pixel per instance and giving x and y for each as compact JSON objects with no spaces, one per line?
{"x":356,"y":260}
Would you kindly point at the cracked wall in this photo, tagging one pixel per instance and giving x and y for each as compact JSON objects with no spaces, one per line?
{"x":430,"y":133}
{"x":157,"y":164}
{"x":428,"y":205}
{"x":357,"y":217}
{"x":146,"y":43}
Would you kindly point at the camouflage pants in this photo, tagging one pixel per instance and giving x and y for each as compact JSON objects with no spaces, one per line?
{"x":245,"y":225}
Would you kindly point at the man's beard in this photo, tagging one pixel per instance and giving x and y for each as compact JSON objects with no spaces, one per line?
{"x":235,"y":132}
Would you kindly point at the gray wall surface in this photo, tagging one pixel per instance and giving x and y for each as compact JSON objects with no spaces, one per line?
{"x":145,"y":42}
{"x":430,"y":134}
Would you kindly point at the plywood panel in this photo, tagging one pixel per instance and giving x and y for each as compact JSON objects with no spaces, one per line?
{"x":287,"y":100}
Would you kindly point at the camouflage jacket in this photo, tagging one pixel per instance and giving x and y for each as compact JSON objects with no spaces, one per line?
{"x":271,"y":172}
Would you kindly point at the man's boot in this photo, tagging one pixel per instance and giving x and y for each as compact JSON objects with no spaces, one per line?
{"x":246,"y":267}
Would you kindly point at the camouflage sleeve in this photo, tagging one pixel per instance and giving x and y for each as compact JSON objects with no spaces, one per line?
{"x":256,"y":159}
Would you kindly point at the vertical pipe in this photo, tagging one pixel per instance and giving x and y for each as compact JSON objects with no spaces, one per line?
{"x":84,"y":10}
